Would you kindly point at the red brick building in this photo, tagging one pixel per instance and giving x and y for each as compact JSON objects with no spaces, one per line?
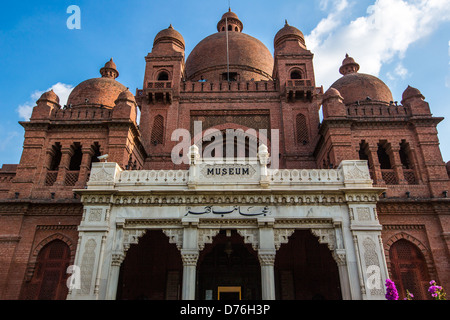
{"x":244,"y":87}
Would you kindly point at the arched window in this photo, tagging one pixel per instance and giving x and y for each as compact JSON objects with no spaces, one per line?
{"x":409,"y":269}
{"x":75,"y":161}
{"x":50,"y":277}
{"x":56,"y":157}
{"x":158,"y":131}
{"x":405,"y":158}
{"x":296,"y":74}
{"x":383,"y":157}
{"x":302,"y":129}
{"x":163,"y":76}
{"x":96,"y":153}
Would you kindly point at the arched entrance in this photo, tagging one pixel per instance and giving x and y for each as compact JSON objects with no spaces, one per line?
{"x":228,"y":269}
{"x":409,"y":270}
{"x":152,"y":270}
{"x":50,"y":276}
{"x":306,"y":270}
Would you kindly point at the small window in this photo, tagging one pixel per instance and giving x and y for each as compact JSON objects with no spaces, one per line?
{"x":383,"y":157}
{"x":230,"y":28}
{"x":75,"y":161}
{"x":56,"y":158}
{"x":163,"y":76}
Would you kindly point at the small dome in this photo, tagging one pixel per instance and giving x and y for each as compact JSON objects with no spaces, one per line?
{"x":109,"y":70}
{"x":169,"y":35}
{"x":348,"y":66}
{"x":332,"y":93}
{"x":49,"y":96}
{"x":288,"y":32}
{"x":98,"y":91}
{"x":411,"y":92}
{"x":126,"y":95}
{"x":234,"y":24}
{"x":354,"y":86}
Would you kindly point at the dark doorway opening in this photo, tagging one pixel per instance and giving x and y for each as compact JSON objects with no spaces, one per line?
{"x":306,"y":270}
{"x":228,"y":262}
{"x":152,"y":270}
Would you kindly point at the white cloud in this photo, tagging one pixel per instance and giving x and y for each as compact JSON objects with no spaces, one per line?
{"x":399,"y":72}
{"x":383,"y":34}
{"x":61,"y":89}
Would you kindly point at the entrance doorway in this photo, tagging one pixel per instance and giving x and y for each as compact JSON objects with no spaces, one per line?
{"x":228,"y":269}
{"x":306,"y":270}
{"x":152,"y":270}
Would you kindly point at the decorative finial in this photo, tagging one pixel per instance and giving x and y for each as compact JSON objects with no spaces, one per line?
{"x":346,"y":55}
{"x":170,"y":27}
{"x":285,"y":22}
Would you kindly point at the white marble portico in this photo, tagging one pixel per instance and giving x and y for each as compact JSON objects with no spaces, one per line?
{"x":264,"y":206}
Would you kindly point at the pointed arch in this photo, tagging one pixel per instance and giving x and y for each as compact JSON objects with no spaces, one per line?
{"x":49,"y":275}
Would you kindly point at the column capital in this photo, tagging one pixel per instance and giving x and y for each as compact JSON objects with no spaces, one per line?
{"x":189,"y":257}
{"x":117,"y":259}
{"x":266,"y":257}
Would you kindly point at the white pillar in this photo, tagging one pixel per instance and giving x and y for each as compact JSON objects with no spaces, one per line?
{"x":190,"y":258}
{"x":267,"y":261}
{"x":189,"y":255}
{"x":113,"y":281}
{"x":266,"y":255}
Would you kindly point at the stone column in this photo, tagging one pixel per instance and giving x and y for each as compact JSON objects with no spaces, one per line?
{"x":266,"y":255}
{"x":189,"y":258}
{"x":373,"y":155}
{"x":189,"y":255}
{"x":64,"y":166}
{"x":84,"y":168}
{"x":267,"y":262}
{"x":113,"y":280}
{"x":396,"y":163}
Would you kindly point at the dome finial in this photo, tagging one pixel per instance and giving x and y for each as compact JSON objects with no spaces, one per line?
{"x":234,"y":24}
{"x":109,"y":70}
{"x":286,"y":22}
{"x":348,"y":66}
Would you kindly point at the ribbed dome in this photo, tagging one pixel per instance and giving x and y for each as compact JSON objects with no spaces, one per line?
{"x":288,"y":32}
{"x":98,"y":91}
{"x":245,"y":54}
{"x":354,"y":86}
{"x":170,"y":35}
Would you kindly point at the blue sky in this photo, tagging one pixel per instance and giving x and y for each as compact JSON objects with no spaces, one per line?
{"x":404,"y":42}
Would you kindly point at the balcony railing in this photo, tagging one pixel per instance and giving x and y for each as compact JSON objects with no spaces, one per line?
{"x":409,"y":176}
{"x":159,"y":85}
{"x":50,"y":179}
{"x":389,"y":176}
{"x":298,"y":83}
{"x":71,"y":178}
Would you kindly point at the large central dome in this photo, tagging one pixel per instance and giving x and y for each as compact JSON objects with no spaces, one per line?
{"x":248,"y":57}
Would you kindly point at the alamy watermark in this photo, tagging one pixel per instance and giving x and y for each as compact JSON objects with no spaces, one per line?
{"x":74,"y":281}
{"x":74,"y":20}
{"x":230,"y":145}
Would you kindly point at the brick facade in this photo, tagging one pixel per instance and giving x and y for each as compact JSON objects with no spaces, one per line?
{"x":37,"y":200}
